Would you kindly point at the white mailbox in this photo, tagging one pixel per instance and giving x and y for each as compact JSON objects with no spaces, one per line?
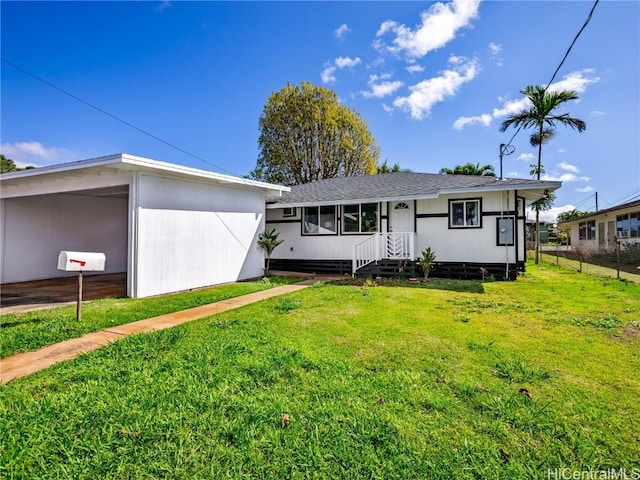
{"x":81,"y":261}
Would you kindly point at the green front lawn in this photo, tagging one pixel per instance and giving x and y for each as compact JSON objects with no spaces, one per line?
{"x":22,"y":332}
{"x":504,"y":380}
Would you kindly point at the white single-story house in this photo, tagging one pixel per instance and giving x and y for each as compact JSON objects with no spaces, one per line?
{"x":599,"y":231}
{"x":380,"y":224}
{"x":169,"y":227}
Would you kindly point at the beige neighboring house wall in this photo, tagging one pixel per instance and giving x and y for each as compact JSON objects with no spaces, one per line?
{"x":601,"y":230}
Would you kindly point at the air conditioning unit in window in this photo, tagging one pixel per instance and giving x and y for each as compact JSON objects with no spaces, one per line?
{"x":623,"y":234}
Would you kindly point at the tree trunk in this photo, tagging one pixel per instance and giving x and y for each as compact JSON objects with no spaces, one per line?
{"x":537,"y":239}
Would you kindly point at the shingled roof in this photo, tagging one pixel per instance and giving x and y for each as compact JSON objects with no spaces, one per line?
{"x":398,"y":186}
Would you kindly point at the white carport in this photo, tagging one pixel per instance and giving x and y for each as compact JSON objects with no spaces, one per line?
{"x":169,"y":227}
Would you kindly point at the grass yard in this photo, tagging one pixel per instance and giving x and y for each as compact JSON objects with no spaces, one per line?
{"x":26,"y":331}
{"x":504,"y":380}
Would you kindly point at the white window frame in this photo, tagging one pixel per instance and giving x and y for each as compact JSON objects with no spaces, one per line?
{"x":464,"y":221}
{"x":360,"y":217}
{"x":309,"y":228}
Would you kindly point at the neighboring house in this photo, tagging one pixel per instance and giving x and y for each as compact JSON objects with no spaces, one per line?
{"x":380,"y":224}
{"x":601,"y":230}
{"x":169,"y":227}
{"x":547,"y":232}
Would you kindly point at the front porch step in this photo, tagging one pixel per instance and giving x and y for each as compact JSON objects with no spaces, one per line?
{"x":389,"y":268}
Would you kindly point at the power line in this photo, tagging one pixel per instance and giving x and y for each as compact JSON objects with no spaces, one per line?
{"x":586,"y":22}
{"x":118,"y":119}
{"x":584,"y":25}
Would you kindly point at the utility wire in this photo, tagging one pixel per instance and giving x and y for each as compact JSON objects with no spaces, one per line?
{"x":586,"y":22}
{"x":104,"y":112}
{"x":584,"y":25}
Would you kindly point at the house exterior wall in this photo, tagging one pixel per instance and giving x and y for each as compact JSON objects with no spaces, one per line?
{"x":36,"y":228}
{"x":432,"y":228}
{"x":191,"y":234}
{"x":469,"y":244}
{"x":604,"y":233}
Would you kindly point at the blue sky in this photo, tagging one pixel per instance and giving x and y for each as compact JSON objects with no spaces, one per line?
{"x":432,"y":80}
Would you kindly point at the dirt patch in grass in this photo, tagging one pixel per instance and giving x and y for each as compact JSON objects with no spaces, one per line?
{"x":629,"y":332}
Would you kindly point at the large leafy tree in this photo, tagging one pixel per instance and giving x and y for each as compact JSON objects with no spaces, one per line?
{"x":7,"y":165}
{"x":470,"y":169}
{"x":384,"y":168}
{"x":570,"y":215}
{"x":541,"y":118}
{"x":307,"y":135}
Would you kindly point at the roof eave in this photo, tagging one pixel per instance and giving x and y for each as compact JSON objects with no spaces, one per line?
{"x":131,"y":162}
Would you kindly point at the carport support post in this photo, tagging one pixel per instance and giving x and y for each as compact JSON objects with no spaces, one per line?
{"x":79,"y":306}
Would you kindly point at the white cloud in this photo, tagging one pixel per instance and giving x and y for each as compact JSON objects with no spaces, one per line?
{"x":568,"y":167}
{"x":34,"y":153}
{"x":577,"y":81}
{"x":415,"y":68}
{"x":563,"y":177}
{"x":461,"y":122}
{"x":437,"y":27}
{"x":343,"y":62}
{"x":163,"y":6}
{"x":495,"y":48}
{"x":495,"y":51}
{"x":328,"y":74}
{"x":562,"y":150}
{"x":586,"y":189}
{"x":597,"y":113}
{"x":380,"y":87}
{"x":526,"y":157}
{"x":342,"y":30}
{"x":426,"y":94}
{"x":551,"y":215}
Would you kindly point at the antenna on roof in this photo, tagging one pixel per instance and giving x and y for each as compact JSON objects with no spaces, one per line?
{"x":505,"y":149}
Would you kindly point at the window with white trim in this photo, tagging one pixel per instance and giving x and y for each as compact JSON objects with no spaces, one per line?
{"x":464,"y":213}
{"x":319,"y":220}
{"x":587,"y":230}
{"x":360,"y":218}
{"x":628,"y":225}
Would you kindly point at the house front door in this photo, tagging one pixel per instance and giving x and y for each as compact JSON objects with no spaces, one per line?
{"x":611,"y":234}
{"x":601,"y":238}
{"x":401,"y":217}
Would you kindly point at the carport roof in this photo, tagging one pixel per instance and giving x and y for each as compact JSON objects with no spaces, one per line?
{"x":126,"y":162}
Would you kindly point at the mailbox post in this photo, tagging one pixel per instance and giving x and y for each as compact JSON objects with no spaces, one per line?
{"x":81,"y":262}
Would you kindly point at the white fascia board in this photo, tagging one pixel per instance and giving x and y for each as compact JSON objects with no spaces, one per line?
{"x":181,"y":170}
{"x":350,"y":201}
{"x":63,"y":167}
{"x":120,"y":160}
{"x":502,"y":188}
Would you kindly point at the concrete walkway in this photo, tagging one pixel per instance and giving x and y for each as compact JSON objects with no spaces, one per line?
{"x":23,"y":364}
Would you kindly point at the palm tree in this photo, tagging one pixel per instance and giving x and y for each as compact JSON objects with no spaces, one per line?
{"x":470,"y":169}
{"x":268,"y":241}
{"x":540,"y":117}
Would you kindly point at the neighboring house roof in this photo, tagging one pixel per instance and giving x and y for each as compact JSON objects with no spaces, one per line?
{"x":124,"y":162}
{"x":404,"y":185}
{"x":634,"y":203}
